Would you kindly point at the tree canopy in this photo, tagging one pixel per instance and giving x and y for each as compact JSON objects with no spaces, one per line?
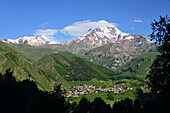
{"x":159,"y":75}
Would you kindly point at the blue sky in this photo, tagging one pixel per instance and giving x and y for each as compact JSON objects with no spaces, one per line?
{"x":52,"y":17}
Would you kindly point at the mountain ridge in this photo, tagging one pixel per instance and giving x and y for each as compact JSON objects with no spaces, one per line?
{"x":70,"y":67}
{"x":96,"y":37}
{"x":32,"y":40}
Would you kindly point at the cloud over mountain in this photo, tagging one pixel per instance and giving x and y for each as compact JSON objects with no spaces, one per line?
{"x":48,"y":33}
{"x":81,"y":27}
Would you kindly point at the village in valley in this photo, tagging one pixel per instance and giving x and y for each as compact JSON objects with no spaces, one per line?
{"x":87,"y":89}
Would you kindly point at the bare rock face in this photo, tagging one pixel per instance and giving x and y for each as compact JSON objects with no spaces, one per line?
{"x":110,"y":55}
{"x":137,"y":45}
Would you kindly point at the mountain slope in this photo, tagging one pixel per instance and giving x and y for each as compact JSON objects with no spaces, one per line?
{"x":135,"y":44}
{"x":66,"y":65}
{"x":73,"y":47}
{"x":21,"y":68}
{"x":81,"y":67}
{"x":32,"y":53}
{"x":110,"y":55}
{"x":4,"y":48}
{"x":138,"y":66}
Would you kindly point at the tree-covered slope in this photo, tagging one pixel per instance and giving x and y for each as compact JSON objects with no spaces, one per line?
{"x":68,"y":66}
{"x":21,"y":68}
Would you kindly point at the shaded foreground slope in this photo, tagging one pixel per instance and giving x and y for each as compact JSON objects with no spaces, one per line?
{"x":21,"y":68}
{"x":14,"y":97}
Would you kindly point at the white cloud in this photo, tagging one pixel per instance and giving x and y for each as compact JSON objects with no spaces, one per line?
{"x":48,"y":33}
{"x":81,"y":27}
{"x":73,"y":31}
{"x":138,"y":21}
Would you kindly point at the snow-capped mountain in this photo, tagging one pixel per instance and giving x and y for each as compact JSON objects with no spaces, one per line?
{"x":110,"y":34}
{"x":104,"y":35}
{"x":100,"y":36}
{"x":94,"y":37}
{"x":32,"y":40}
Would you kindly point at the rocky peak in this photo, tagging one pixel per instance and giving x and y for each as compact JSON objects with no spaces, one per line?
{"x":101,"y":35}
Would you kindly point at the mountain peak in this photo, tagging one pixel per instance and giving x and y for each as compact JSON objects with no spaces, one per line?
{"x":32,"y":40}
{"x":110,"y":34}
{"x":101,"y":35}
{"x":103,"y":21}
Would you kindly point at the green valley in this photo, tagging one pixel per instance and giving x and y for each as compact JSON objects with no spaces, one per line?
{"x":50,"y":67}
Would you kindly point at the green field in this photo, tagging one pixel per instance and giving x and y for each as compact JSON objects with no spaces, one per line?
{"x":124,"y":83}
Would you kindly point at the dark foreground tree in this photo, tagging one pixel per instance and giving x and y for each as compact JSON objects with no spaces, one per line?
{"x":14,"y":97}
{"x":99,"y":106}
{"x":159,"y":75}
{"x":83,"y":106}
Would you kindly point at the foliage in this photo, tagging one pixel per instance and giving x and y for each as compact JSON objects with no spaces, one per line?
{"x":139,"y":91}
{"x":83,"y":106}
{"x":110,"y":96}
{"x":123,"y":106}
{"x":14,"y":97}
{"x":161,"y":30}
{"x":159,"y":76}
